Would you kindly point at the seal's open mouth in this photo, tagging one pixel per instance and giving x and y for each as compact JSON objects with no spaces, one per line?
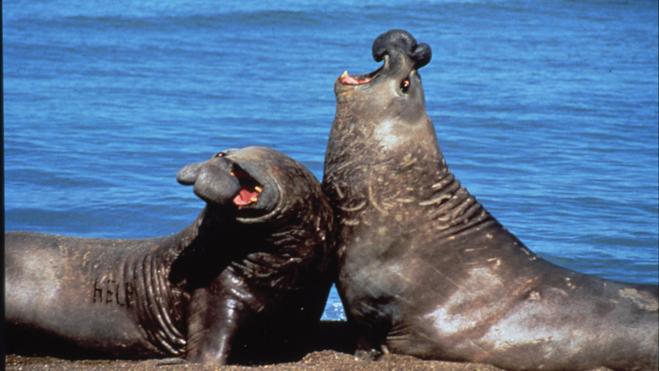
{"x":346,"y":79}
{"x":250,"y":189}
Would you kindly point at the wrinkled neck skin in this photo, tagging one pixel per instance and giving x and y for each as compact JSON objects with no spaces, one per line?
{"x":391,"y":171}
{"x":164,"y":276}
{"x":158,"y":276}
{"x":193,"y":258}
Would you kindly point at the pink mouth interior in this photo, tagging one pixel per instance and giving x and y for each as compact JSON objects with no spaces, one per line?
{"x":249,"y":189}
{"x":346,"y":79}
{"x":245,"y":197}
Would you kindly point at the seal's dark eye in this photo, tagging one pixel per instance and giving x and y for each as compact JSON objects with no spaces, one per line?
{"x":220,"y":154}
{"x":405,"y":85}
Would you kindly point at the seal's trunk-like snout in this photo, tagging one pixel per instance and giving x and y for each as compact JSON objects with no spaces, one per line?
{"x":214,"y":180}
{"x":397,"y":43}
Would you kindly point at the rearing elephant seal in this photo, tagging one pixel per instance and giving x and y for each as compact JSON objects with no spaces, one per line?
{"x":425,"y":270}
{"x":247,"y":280}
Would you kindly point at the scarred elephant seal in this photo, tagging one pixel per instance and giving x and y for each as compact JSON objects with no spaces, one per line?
{"x":247,"y":280}
{"x":425,"y":270}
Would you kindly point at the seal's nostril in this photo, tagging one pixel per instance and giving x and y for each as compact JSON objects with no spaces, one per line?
{"x":391,"y":41}
{"x":401,"y":42}
{"x":422,"y":55}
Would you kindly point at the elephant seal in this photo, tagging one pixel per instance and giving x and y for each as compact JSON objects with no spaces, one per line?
{"x":248,"y":280}
{"x":425,"y":270}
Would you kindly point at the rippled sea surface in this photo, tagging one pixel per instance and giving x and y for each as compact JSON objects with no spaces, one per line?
{"x":545,"y":110}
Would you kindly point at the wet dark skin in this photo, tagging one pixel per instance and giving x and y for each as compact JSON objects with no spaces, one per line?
{"x":425,"y":270}
{"x":246,"y":282}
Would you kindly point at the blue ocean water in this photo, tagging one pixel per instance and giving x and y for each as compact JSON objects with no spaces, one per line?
{"x":546,"y":110}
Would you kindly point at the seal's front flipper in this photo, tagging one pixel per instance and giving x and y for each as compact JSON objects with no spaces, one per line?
{"x":367,"y":347}
{"x":216,"y":314}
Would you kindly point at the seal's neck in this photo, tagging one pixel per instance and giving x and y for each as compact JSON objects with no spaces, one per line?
{"x":173,"y":246}
{"x":387,"y":164}
{"x":206,"y":243}
{"x":159,"y":298}
{"x":452,"y":210}
{"x":406,"y":179}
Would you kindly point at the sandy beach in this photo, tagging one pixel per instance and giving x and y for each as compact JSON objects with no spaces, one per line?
{"x":319,"y":360}
{"x":332,"y":350}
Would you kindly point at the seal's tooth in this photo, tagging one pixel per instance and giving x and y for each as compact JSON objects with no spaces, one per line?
{"x":345,"y":74}
{"x":258,"y":189}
